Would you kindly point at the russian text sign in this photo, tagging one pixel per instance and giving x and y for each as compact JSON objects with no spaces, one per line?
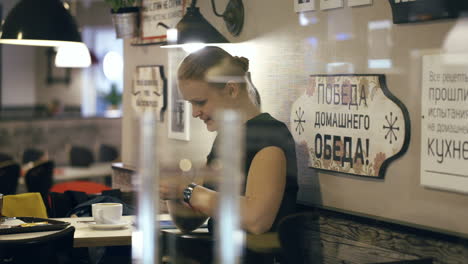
{"x":154,"y":12}
{"x":444,"y":124}
{"x":351,"y":124}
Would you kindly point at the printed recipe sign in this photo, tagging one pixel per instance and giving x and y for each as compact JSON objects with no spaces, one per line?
{"x":351,"y":124}
{"x":444,"y":124}
{"x":149,"y":89}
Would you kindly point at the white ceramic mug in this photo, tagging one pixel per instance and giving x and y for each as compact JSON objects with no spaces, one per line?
{"x":107,"y":213}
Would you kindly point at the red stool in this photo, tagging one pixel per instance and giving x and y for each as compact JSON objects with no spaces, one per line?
{"x":82,"y":186}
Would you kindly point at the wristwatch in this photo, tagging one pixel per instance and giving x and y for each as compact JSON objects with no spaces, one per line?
{"x":188,"y":192}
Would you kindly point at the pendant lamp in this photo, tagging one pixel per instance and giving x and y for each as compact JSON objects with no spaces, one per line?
{"x":39,"y":23}
{"x":193,"y":28}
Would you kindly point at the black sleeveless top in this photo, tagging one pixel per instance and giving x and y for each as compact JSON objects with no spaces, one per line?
{"x":264,"y":131}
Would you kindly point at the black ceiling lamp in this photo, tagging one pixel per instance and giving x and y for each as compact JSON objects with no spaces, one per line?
{"x":194,"y":28}
{"x":39,"y":23}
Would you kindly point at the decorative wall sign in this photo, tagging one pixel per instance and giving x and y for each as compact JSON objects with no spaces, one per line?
{"x":444,"y":124}
{"x":351,"y":124}
{"x":408,"y":11}
{"x":330,"y":4}
{"x":359,"y":2}
{"x":168,"y":12}
{"x":149,"y":90}
{"x":304,"y":5}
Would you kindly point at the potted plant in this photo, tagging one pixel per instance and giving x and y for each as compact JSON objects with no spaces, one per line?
{"x":125,"y":16}
{"x":114,"y":97}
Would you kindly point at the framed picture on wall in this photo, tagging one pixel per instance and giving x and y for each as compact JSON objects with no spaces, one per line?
{"x":304,"y":5}
{"x":179,"y":114}
{"x":156,"y":16}
{"x":330,"y":4}
{"x":426,"y":10}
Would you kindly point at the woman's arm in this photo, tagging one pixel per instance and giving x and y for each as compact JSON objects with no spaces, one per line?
{"x":184,"y":217}
{"x":264,"y":192}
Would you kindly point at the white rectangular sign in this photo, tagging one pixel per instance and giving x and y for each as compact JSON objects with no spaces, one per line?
{"x":329,"y":4}
{"x":444,"y":124}
{"x":359,"y":2}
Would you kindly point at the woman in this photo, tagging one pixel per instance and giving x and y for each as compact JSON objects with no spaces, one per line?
{"x":211,"y":80}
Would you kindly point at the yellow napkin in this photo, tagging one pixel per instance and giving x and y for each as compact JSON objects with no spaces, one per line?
{"x":25,"y":204}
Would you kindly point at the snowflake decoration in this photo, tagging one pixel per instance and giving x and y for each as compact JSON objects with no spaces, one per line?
{"x":391,"y":127}
{"x":299,"y":120}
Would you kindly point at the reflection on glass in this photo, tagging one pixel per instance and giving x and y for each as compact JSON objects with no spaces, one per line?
{"x":380,"y":44}
{"x":144,"y":240}
{"x":304,"y":20}
{"x":343,"y":36}
{"x":341,"y":67}
{"x":455,"y":43}
{"x":379,"y":64}
{"x":229,"y":236}
{"x":113,"y":66}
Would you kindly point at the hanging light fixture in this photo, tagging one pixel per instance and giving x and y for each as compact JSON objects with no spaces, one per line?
{"x":39,"y":23}
{"x":194,"y":29}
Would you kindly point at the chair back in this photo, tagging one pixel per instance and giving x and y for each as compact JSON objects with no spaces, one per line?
{"x":40,"y":178}
{"x":51,"y":249}
{"x":81,"y":156}
{"x":298,"y":243}
{"x":9,"y":174}
{"x":32,"y":155}
{"x":108,"y":153}
{"x":24,"y":204}
{"x":5,"y":157}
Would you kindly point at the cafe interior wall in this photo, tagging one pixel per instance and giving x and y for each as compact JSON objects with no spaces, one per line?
{"x":284,"y":48}
{"x":24,"y":68}
{"x":18,"y":70}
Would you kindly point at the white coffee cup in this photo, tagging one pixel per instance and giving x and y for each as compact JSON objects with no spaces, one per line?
{"x":107,"y":213}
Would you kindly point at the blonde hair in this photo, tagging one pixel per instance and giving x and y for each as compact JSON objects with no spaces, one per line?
{"x":216,"y":66}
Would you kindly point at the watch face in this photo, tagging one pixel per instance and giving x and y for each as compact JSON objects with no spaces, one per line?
{"x":187,"y":194}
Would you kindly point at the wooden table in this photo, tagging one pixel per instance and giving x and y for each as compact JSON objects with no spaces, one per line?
{"x":86,"y":236}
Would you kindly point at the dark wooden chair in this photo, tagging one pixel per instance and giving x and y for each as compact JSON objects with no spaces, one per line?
{"x":108,"y":153}
{"x":5,"y":157}
{"x":32,"y":155}
{"x":81,"y":156}
{"x":299,"y":240}
{"x":9,"y":174}
{"x":40,"y":178}
{"x":55,"y":248}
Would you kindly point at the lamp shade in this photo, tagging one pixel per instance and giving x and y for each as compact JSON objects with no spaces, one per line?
{"x":73,"y":56}
{"x":194,"y":28}
{"x":39,"y":23}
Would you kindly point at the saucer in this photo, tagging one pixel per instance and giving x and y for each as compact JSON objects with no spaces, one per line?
{"x":108,"y":226}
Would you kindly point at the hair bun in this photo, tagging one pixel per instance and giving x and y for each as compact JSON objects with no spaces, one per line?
{"x":243,"y":62}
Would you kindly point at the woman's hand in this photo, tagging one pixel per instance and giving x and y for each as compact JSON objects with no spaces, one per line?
{"x":171,"y":187}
